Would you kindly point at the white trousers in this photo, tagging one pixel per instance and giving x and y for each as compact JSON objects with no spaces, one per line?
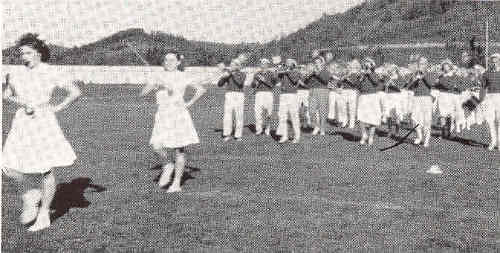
{"x":288,"y":105}
{"x":347,"y":104}
{"x":332,"y":104}
{"x":263,"y":104}
{"x":233,"y":105}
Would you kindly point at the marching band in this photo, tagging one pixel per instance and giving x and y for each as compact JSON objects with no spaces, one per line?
{"x":360,"y":92}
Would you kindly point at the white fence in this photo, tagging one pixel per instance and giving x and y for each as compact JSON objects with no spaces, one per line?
{"x":108,"y":74}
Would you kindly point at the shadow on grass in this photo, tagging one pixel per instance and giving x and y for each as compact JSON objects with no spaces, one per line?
{"x":251,"y":127}
{"x":348,"y":136}
{"x":185,"y":177}
{"x":71,"y":195}
{"x":463,"y":141}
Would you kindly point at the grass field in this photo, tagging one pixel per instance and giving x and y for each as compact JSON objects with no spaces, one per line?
{"x":326,"y":194}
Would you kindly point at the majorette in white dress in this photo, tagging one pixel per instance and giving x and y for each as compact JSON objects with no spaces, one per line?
{"x":36,"y":143}
{"x":173,"y":126}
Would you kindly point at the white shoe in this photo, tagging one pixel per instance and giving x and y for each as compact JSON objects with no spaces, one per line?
{"x":426,"y":144}
{"x":322,"y":133}
{"x":283,"y":139}
{"x":417,"y":141}
{"x":296,"y":140}
{"x":370,"y":141}
{"x":259,"y":132}
{"x":174,"y":188}
{"x":168,"y":169}
{"x":315,"y":131}
{"x":363,"y":140}
{"x":434,"y":169}
{"x":268,"y":131}
{"x":30,"y":205}
{"x":227,"y":138}
{"x":238,"y":139}
{"x":42,"y":221}
{"x":491,"y":146}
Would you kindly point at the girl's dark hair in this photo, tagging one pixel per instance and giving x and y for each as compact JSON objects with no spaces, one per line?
{"x":32,"y":40}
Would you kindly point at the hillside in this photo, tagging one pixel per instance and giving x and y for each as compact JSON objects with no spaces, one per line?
{"x":373,"y":22}
{"x":114,"y":50}
{"x":397,"y":21}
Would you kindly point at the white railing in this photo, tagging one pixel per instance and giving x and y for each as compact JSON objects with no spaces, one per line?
{"x":107,"y":74}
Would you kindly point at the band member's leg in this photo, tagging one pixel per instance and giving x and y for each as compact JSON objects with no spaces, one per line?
{"x":282,"y":119}
{"x":364,"y":134}
{"x":238,"y":114}
{"x":258,"y":110}
{"x":323,"y":110}
{"x":314,"y":109}
{"x":342,"y":109}
{"x":228,"y":117}
{"x":294,"y":115}
{"x":353,"y":108}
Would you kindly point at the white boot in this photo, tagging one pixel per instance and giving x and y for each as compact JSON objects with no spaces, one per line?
{"x":166,"y":174}
{"x":176,"y":185}
{"x":267,"y":131}
{"x":42,"y":221}
{"x":283,"y":139}
{"x":364,"y":138}
{"x":492,"y":146}
{"x":31,"y":200}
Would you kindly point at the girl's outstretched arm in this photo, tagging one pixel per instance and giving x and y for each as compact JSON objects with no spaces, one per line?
{"x":199,"y":91}
{"x":148,"y":87}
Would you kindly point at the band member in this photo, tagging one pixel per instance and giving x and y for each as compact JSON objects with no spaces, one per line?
{"x":347,"y":101}
{"x":318,"y":96}
{"x":303,"y":97}
{"x":289,"y":80}
{"x":369,"y":111}
{"x":447,"y":100}
{"x":407,"y":75}
{"x":333,"y":85}
{"x":477,"y":108}
{"x":234,"y":80}
{"x":393,"y":99}
{"x":36,"y":144}
{"x":421,"y":84}
{"x":263,"y":82}
{"x":173,"y":127}
{"x":469,"y":97}
{"x":491,"y":96}
{"x":328,"y":57}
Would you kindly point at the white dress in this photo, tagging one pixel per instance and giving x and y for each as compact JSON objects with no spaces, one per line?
{"x":36,"y":143}
{"x":173,"y":126}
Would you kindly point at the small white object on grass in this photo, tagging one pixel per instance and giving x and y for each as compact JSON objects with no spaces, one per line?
{"x":434,"y":169}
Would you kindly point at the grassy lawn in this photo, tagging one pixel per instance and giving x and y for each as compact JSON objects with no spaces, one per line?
{"x":326,"y":194}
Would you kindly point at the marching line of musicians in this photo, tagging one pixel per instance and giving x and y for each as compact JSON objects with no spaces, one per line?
{"x":360,"y":92}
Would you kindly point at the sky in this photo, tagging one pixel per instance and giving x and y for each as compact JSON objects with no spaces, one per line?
{"x":77,"y":22}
